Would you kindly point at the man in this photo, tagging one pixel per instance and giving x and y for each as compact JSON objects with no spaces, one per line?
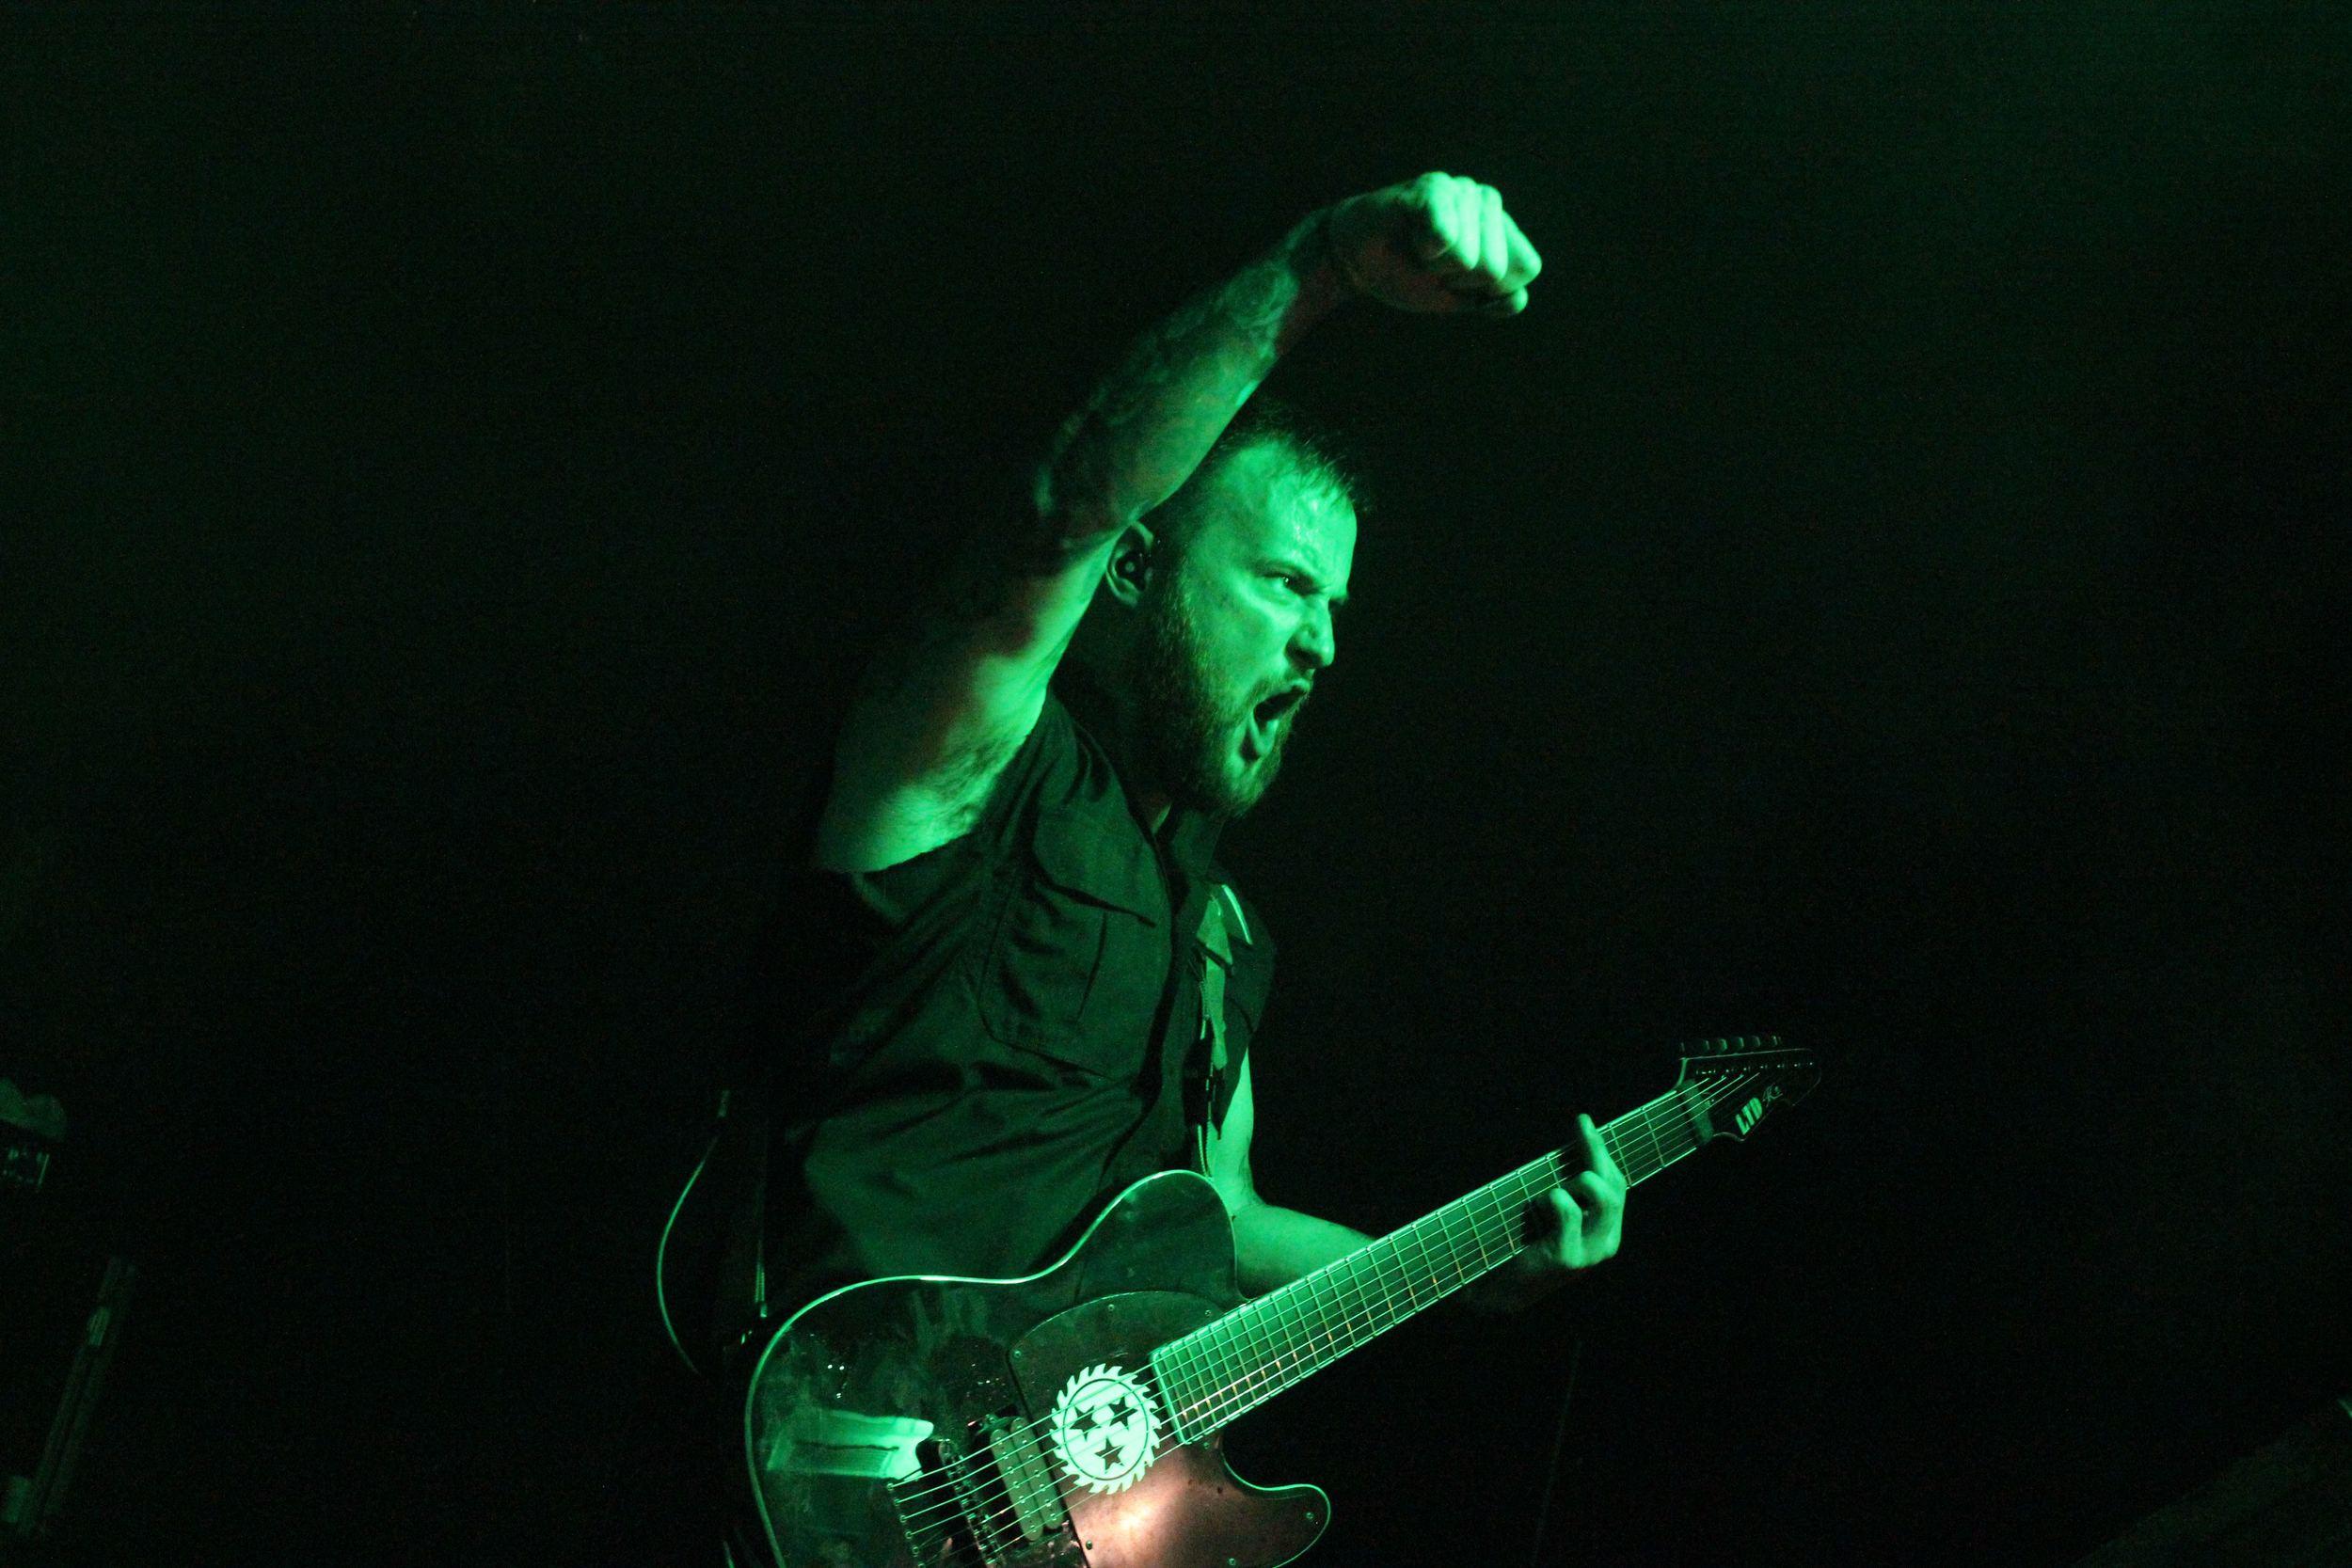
{"x":1020,"y":979}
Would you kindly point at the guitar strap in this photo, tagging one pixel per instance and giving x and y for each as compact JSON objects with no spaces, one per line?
{"x":1208,"y":1081}
{"x":742,"y":1270}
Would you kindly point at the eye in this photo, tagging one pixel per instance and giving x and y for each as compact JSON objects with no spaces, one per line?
{"x":1303,"y":588}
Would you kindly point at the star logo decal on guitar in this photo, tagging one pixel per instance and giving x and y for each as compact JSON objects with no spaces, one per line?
{"x":1106,"y":1429}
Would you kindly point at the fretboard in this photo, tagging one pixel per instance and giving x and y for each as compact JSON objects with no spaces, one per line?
{"x":1285,"y":1336}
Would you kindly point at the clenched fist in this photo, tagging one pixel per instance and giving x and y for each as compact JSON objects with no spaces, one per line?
{"x":1439,"y":245}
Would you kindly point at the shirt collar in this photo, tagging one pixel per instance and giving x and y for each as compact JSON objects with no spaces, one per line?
{"x":1192,"y":843}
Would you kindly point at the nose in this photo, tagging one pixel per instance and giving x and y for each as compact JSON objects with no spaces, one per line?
{"x":1316,"y":643}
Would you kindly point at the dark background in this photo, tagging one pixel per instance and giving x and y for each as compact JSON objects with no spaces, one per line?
{"x":1884,"y":591}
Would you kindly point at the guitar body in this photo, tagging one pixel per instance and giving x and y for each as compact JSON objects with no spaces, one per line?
{"x":1014,"y":1423}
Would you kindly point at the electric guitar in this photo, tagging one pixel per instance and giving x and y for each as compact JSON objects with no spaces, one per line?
{"x":1072,"y":1418}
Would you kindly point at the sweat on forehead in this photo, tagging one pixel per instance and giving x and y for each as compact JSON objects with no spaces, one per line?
{"x":1263,"y":496}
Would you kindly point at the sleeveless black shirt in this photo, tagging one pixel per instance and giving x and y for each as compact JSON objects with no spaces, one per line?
{"x":965,"y":1056}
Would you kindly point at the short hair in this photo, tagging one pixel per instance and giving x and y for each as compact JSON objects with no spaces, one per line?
{"x":1309,"y":454}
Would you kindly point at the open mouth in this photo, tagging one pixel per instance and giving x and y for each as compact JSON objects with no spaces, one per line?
{"x":1279,"y":704}
{"x":1267,"y":717}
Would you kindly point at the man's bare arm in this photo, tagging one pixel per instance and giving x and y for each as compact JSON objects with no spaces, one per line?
{"x":1439,"y":245}
{"x":950,"y":699}
{"x":1272,"y":1246}
{"x":1152,"y":420}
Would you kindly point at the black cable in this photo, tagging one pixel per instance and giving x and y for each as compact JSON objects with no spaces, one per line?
{"x":1559,"y":1440}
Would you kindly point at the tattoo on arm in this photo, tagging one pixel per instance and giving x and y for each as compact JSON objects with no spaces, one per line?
{"x":1155,"y":417}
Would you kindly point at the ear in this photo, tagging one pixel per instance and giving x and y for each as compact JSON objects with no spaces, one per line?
{"x":1132,"y":559}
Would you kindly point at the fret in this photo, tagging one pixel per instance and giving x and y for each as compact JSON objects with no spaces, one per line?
{"x":1414,"y":1269}
{"x":1378,"y":1303}
{"x":1409,"y":1258}
{"x":1456,"y":1261}
{"x":1298,"y":1332}
{"x":1657,"y":1129}
{"x":1204,"y":1384}
{"x":1257,"y":1367}
{"x":1449,"y":1267}
{"x":1335,"y":1311}
{"x":1229,"y":1366}
{"x":1173,"y":1362}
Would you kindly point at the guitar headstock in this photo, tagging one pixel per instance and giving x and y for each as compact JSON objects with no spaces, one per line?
{"x":1730,"y":1085}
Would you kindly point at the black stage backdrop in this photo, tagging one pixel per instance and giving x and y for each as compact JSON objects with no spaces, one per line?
{"x":1887,"y":591}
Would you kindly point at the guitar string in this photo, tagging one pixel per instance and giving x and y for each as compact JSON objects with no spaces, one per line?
{"x":1185,"y":1397}
{"x":1208,"y":1394}
{"x":922,"y":1516}
{"x":994,"y":1521}
{"x":1269,"y":1377}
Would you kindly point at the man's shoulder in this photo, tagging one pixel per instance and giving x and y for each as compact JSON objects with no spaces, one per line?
{"x":1067,"y":772}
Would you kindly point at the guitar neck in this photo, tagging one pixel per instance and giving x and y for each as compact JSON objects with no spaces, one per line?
{"x":1278,"y":1340}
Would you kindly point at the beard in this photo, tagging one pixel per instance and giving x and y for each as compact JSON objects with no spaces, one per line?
{"x":1186,"y":720}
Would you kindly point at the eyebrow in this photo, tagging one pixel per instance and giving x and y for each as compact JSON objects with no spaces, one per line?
{"x":1287,"y":565}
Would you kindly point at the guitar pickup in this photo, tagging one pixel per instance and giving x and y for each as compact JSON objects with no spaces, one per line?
{"x":1027,"y":1475}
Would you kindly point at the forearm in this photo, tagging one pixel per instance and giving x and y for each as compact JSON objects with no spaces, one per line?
{"x":1273,"y":1245}
{"x":1152,"y":421}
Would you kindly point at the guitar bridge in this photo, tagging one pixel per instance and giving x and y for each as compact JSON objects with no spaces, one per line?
{"x":1004,"y":1509}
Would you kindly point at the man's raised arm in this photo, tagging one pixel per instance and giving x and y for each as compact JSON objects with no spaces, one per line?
{"x":1152,"y":420}
{"x":1439,"y":245}
{"x":949,"y":702}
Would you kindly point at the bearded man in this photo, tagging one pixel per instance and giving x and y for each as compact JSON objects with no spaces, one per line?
{"x":1018,"y":977}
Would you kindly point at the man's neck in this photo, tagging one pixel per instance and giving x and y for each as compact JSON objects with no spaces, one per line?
{"x":1152,"y":806}
{"x":1108,"y":720}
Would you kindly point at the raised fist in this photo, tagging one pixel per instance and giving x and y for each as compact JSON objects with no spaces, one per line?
{"x":1439,"y":245}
